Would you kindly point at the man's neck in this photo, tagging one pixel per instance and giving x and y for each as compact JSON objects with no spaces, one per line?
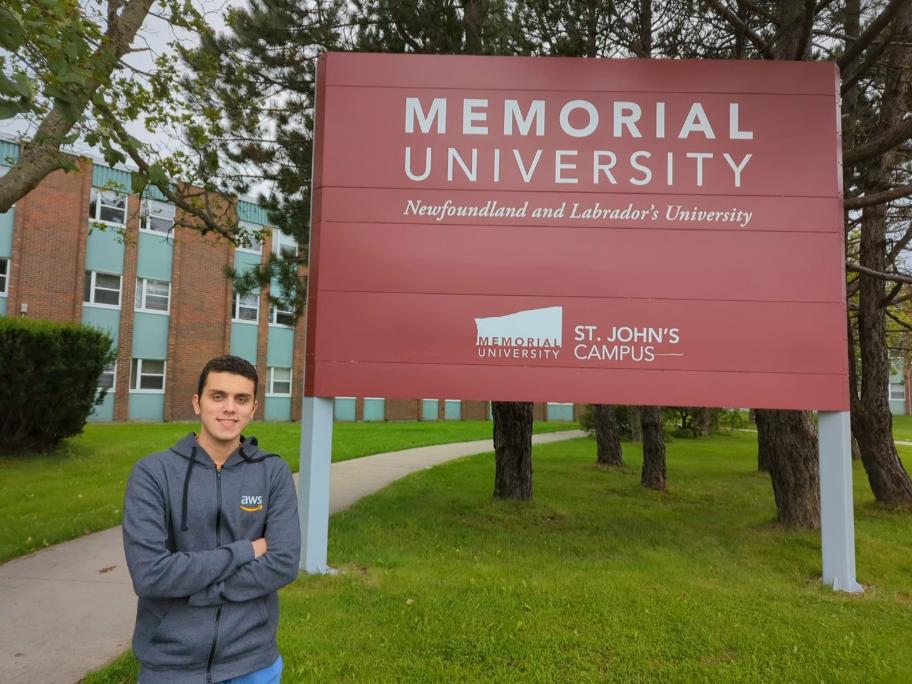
{"x":217,"y":451}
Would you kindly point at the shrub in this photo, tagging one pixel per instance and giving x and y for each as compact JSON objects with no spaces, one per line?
{"x":48,"y":381}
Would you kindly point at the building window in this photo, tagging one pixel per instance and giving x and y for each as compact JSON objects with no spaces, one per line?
{"x":157,"y":217}
{"x":246,"y":307}
{"x":247,"y":232}
{"x":281,"y":316}
{"x":102,"y":289}
{"x":108,"y":206}
{"x":147,"y":375}
{"x":108,"y":378}
{"x":280,"y":382}
{"x":4,"y":276}
{"x":152,"y":295}
{"x":897,"y":391}
{"x":284,"y":244}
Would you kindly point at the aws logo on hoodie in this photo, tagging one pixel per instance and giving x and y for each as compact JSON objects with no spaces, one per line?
{"x":252,"y":504}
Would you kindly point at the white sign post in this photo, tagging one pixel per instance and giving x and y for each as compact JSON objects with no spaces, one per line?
{"x":837,"y":524}
{"x":313,"y":486}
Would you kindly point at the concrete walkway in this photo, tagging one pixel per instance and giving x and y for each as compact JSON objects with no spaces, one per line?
{"x":69,"y":609}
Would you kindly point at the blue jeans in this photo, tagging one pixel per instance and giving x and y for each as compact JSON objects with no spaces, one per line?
{"x":268,"y":675}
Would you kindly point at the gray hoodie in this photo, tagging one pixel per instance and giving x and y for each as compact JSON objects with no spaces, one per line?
{"x":207,"y":610}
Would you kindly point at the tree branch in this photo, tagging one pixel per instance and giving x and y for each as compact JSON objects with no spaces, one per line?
{"x":869,"y":34}
{"x":877,"y":197}
{"x":739,"y":25}
{"x":890,"y":277}
{"x":884,"y":143}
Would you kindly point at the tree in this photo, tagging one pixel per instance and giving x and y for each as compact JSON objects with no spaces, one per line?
{"x":65,"y":70}
{"x":653,"y":475}
{"x":512,"y":450}
{"x":607,"y":436}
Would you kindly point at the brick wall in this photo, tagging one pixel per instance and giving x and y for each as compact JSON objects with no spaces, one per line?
{"x":127,"y":312}
{"x":200,"y":326}
{"x":49,"y":243}
{"x":403,"y":409}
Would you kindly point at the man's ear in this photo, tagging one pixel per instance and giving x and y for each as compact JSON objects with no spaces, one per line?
{"x":196,"y":404}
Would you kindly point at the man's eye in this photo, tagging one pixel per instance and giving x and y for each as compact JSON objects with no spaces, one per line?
{"x":242,"y":400}
{"x":218,"y":397}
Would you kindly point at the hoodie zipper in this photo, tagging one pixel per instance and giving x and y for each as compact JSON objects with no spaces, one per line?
{"x":218,"y":542}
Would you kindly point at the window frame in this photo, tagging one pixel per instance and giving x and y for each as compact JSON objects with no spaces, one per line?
{"x":142,"y":293}
{"x":272,"y":380}
{"x":136,"y":364}
{"x":113,"y":373}
{"x":92,"y":285}
{"x":99,"y":194}
{"x":277,"y":243}
{"x":245,"y":227}
{"x":146,"y":215}
{"x":4,"y":276}
{"x":235,"y":318}
{"x":901,"y":386}
{"x":274,"y":316}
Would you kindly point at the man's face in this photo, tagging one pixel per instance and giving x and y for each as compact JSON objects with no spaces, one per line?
{"x":225,"y":407}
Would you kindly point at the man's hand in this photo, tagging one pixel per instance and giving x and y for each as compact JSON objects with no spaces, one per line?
{"x":259,"y":547}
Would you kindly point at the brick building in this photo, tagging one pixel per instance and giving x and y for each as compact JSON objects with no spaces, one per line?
{"x":81,"y":248}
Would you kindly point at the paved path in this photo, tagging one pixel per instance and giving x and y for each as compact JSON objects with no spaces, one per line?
{"x":69,"y":609}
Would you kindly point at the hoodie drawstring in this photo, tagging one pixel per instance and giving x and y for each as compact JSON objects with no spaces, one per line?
{"x":184,"y":527}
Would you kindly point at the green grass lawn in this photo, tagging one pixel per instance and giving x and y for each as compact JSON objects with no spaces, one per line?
{"x":902,"y":428}
{"x":597,"y":580}
{"x":78,"y":488}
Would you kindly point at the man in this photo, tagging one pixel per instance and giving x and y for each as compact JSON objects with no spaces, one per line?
{"x":211,"y":532}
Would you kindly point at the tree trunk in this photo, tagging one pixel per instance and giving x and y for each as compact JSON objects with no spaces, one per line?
{"x":788,"y":442}
{"x":705,"y":422}
{"x":653,"y":475}
{"x":512,"y":450}
{"x":872,"y":418}
{"x":607,"y":438}
{"x":636,"y":428}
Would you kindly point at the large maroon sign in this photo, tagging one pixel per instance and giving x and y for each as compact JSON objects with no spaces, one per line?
{"x":608,"y":231}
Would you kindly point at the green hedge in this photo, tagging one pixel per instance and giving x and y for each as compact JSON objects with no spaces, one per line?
{"x":48,"y":381}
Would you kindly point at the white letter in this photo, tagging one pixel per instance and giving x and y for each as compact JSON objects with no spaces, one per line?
{"x":408,"y":164}
{"x":469,"y":116}
{"x":565,"y":118}
{"x":647,"y":172}
{"x":452,"y":154}
{"x":559,"y":166}
{"x":524,"y":124}
{"x":413,"y":110}
{"x":737,"y":169}
{"x":497,"y":165}
{"x":606,"y":168}
{"x":527,"y":175}
{"x":626,"y":114}
{"x":696,"y":122}
{"x":733,"y":132}
{"x":660,"y":119}
{"x":699,"y":156}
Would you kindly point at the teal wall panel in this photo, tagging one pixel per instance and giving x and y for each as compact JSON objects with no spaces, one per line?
{"x":250,"y":211}
{"x":429,"y":409}
{"x":452,"y":409}
{"x":147,"y":406}
{"x":898,"y":407}
{"x":155,"y":255}
{"x":150,"y":336}
{"x":280,"y":347}
{"x":3,"y":306}
{"x":106,"y":319}
{"x":6,"y":232}
{"x":560,"y":412}
{"x":374,"y":409}
{"x":105,"y":412}
{"x":244,"y":341}
{"x":153,"y":193}
{"x":105,"y":252}
{"x":246,"y":261}
{"x":277,"y":408}
{"x":115,"y":179}
{"x":9,"y":153}
{"x":344,"y":408}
